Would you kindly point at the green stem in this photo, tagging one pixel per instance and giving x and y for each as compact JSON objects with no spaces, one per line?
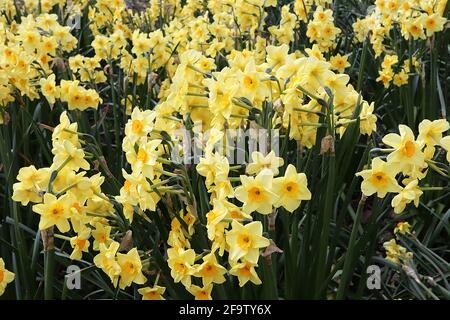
{"x":348,"y":264}
{"x":49,"y":273}
{"x":362,"y":64}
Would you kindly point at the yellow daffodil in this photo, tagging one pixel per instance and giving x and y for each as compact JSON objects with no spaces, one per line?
{"x":379,"y":179}
{"x":415,"y":26}
{"x":403,"y":228}
{"x":277,"y":55}
{"x":214,"y":217}
{"x":101,"y":234}
{"x":49,"y":89}
{"x":181,"y":264}
{"x":144,"y":159}
{"x":430,"y":132}
{"x":445,"y":143}
{"x":53,"y":213}
{"x":80,"y":244}
{"x":210,"y":270}
{"x":234,"y":212}
{"x":401,"y":78}
{"x":260,"y":162}
{"x":433,"y":23}
{"x":69,"y":156}
{"x":152,"y":293}
{"x":245,"y":241}
{"x":256,"y":193}
{"x":407,"y":149}
{"x":27,"y":189}
{"x":201,"y":293}
{"x":131,"y":269}
{"x":5,"y":277}
{"x":106,"y":260}
{"x":251,"y":85}
{"x":214,"y":167}
{"x":245,"y":271}
{"x":291,"y":189}
{"x":395,"y":252}
{"x":77,"y":211}
{"x":410,"y":193}
{"x":140,"y":124}
{"x":368,"y":121}
{"x":190,"y":220}
{"x":339,"y":63}
{"x":66,"y":130}
{"x":219,"y":238}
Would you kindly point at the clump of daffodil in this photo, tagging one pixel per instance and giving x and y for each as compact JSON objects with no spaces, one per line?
{"x":210,"y":69}
{"x":408,"y":158}
{"x":63,"y":193}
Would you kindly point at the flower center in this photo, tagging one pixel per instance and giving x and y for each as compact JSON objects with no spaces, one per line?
{"x":129,"y":267}
{"x":180,"y":267}
{"x":81,"y":243}
{"x":209,"y":270}
{"x":415,"y":29}
{"x":255,"y":194}
{"x":211,"y":216}
{"x":409,"y":149}
{"x":152,"y":295}
{"x":235,"y":214}
{"x":430,"y":23}
{"x":379,"y":179}
{"x":57,"y":210}
{"x":77,"y":207}
{"x":245,"y":271}
{"x":127,"y":185}
{"x":249,"y":82}
{"x":142,"y":155}
{"x":202,"y":295}
{"x":290,"y":188}
{"x":137,"y":126}
{"x":392,"y":5}
{"x":49,"y":87}
{"x":244,"y":241}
